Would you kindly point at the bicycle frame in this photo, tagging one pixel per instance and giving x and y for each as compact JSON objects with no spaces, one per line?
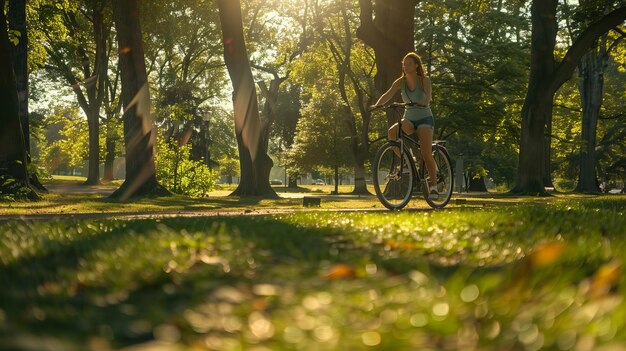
{"x":401,"y":151}
{"x":404,"y":138}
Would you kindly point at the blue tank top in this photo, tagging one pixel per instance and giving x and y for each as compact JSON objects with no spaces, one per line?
{"x":414,"y":113}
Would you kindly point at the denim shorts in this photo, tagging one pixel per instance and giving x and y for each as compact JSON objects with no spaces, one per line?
{"x":424,"y":122}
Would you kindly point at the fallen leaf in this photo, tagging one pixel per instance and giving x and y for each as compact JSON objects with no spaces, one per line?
{"x":604,"y":279}
{"x":547,"y":253}
{"x":341,"y":270}
{"x":400,"y":245}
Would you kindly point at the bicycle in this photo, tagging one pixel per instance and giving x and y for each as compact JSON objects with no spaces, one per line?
{"x":396,"y":177}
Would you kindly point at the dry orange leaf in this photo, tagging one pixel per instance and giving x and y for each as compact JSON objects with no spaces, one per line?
{"x":260,"y":304}
{"x":548,"y":253}
{"x":400,"y":245}
{"x":604,"y":279}
{"x":341,"y":270}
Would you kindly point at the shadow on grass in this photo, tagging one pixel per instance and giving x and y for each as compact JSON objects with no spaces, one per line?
{"x":120,"y":281}
{"x":42,"y":294}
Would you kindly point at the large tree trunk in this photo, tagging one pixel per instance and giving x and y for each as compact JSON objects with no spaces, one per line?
{"x":545,"y":79}
{"x":538,"y":104}
{"x":13,"y":173}
{"x":17,"y":22}
{"x":139,"y":131}
{"x":591,"y":86}
{"x":390,"y":34}
{"x":255,"y":164}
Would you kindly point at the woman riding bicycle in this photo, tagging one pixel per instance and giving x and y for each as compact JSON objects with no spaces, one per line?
{"x":415,"y":87}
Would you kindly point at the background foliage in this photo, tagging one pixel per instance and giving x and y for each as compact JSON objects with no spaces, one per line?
{"x":476,"y":52}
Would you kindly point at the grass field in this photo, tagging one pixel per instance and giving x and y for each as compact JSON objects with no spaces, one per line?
{"x":496,"y":273}
{"x":68,"y":197}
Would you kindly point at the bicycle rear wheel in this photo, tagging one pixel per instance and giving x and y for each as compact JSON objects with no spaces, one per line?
{"x":445,"y":179}
{"x":393,"y":177}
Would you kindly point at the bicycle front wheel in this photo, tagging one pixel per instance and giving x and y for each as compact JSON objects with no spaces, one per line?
{"x":445,"y":179}
{"x":393,"y":176}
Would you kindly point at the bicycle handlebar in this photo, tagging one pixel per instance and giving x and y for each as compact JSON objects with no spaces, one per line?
{"x":394,"y":105}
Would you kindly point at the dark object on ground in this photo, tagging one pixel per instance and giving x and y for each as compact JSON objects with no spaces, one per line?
{"x":309,"y":201}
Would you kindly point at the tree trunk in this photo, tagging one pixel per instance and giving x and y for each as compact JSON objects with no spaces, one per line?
{"x":17,"y":22}
{"x":13,"y":173}
{"x":93,"y":169}
{"x":292,"y":182}
{"x":269,"y":107}
{"x":255,"y":164}
{"x":477,"y":184}
{"x":530,"y":173}
{"x":336,"y":179}
{"x":390,"y":34}
{"x":591,"y":69}
{"x":547,"y":154}
{"x":359,"y":140}
{"x":545,"y":79}
{"x":112,"y":106}
{"x":109,"y":159}
{"x":94,"y":79}
{"x":139,"y":131}
{"x":271,"y":99}
{"x":96,"y":92}
{"x":538,"y":104}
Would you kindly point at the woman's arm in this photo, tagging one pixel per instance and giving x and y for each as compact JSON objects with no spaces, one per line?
{"x":389,"y":93}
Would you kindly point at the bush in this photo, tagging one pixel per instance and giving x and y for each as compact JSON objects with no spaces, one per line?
{"x":502,"y":188}
{"x":181,"y":175}
{"x":563,"y":184}
{"x":229,"y":168}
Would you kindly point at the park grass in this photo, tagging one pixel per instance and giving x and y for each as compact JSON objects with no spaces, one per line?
{"x":69,"y":198}
{"x":505,"y":275}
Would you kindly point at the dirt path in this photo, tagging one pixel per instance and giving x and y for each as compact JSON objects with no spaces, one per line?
{"x":77,"y":188}
{"x":44,"y":217}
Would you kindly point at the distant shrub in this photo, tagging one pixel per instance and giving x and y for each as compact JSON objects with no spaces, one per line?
{"x":181,"y":175}
{"x":563,"y":184}
{"x":502,"y":188}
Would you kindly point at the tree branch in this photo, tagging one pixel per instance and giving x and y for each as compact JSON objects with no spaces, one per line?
{"x":582,"y":44}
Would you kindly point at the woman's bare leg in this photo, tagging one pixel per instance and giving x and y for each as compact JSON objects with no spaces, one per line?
{"x":425,"y":136}
{"x":407,"y":128}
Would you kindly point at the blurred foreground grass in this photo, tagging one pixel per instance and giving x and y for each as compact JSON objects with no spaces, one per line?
{"x":536,"y":275}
